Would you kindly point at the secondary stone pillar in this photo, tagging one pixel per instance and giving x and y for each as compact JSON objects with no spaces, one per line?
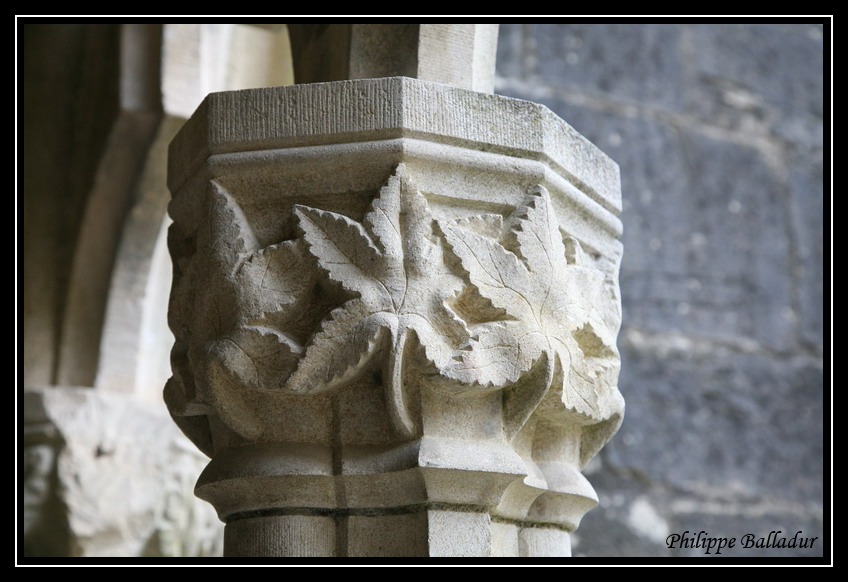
{"x":395,"y":306}
{"x":462,"y":55}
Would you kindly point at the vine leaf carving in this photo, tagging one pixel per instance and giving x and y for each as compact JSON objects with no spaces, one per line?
{"x":548,"y":293}
{"x":393,"y":264}
{"x":254,"y":288}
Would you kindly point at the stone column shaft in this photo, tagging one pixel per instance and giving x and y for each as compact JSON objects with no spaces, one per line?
{"x":461,"y":55}
{"x":395,"y":306}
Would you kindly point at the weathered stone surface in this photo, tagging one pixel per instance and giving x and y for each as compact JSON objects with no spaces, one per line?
{"x":321,"y":113}
{"x":459,"y":534}
{"x":284,"y":536}
{"x":460,"y":55}
{"x":108,"y":475}
{"x":807,"y":184}
{"x":413,"y":309}
{"x":759,"y":79}
{"x":389,"y":536}
{"x":717,"y":407}
{"x":545,"y":543}
{"x":748,"y":55}
{"x":639,"y":65}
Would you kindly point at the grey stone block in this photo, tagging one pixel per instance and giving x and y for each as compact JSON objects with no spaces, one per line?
{"x":730,"y":426}
{"x":758,"y":78}
{"x":627,"y":62}
{"x":806,"y":181}
{"x":784,"y":65}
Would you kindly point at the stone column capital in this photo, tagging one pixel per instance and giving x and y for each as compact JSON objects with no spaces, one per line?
{"x":394,"y":301}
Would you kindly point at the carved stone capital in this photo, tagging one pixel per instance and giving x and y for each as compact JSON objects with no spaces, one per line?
{"x":395,"y":306}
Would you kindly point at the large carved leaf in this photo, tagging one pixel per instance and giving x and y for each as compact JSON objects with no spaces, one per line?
{"x":347,"y":340}
{"x":243,"y":293}
{"x":544,"y":293}
{"x":259,"y":357}
{"x":393,"y":265}
{"x":274,"y":280}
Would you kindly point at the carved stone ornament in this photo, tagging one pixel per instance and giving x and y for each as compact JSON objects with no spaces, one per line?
{"x":397,"y":310}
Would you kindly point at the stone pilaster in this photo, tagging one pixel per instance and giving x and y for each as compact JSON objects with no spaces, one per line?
{"x":395,"y":306}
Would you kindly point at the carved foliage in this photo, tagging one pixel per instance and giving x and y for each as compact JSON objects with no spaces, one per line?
{"x":485,"y":299}
{"x":553,"y":302}
{"x":229,"y":301}
{"x":395,"y":266}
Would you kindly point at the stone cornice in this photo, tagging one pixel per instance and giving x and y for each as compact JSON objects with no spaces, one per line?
{"x":389,"y":108}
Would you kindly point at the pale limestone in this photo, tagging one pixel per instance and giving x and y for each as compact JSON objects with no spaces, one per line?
{"x":108,"y":476}
{"x":459,"y":534}
{"x":544,"y":542}
{"x":379,"y":536}
{"x":461,"y":55}
{"x":284,"y":536}
{"x":394,"y":298}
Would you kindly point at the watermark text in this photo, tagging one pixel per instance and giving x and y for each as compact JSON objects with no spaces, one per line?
{"x":715,"y":545}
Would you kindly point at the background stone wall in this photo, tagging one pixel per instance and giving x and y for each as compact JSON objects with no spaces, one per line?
{"x":718,"y":132}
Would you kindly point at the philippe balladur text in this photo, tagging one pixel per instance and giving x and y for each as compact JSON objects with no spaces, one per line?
{"x":703,"y":540}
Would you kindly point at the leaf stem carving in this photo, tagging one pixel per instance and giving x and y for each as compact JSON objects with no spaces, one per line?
{"x":393,"y":266}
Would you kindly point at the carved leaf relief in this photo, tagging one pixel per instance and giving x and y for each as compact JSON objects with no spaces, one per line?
{"x":242,"y":292}
{"x":487,"y":299}
{"x":393,"y":264}
{"x":550,"y":300}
